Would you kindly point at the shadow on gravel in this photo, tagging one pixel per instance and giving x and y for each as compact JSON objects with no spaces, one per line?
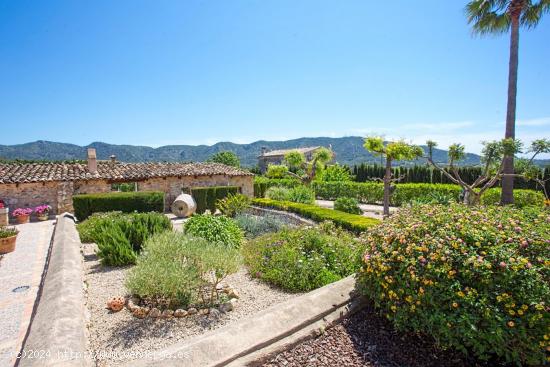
{"x":373,"y":338}
{"x":368,"y":339}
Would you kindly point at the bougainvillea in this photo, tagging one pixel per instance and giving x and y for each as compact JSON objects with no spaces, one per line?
{"x":21,"y":212}
{"x":476,"y":279}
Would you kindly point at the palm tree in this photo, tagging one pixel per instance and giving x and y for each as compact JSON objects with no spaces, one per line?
{"x":496,"y":17}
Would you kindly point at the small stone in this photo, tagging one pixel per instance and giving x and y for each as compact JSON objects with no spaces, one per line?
{"x":116,"y":304}
{"x":192,"y":311}
{"x":139,"y":312}
{"x":204,"y":311}
{"x":233,"y":294}
{"x":226,"y":307}
{"x":167,"y":314}
{"x":180,"y":313}
{"x":154,"y":313}
{"x":215,"y":313}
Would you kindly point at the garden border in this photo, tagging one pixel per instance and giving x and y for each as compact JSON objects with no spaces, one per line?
{"x":57,"y":334}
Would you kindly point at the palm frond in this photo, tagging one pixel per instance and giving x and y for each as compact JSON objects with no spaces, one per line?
{"x":488,"y":16}
{"x":533,"y":13}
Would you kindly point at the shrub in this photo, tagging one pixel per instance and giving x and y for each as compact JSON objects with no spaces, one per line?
{"x":217,"y":229}
{"x":206,"y":197}
{"x":177,"y":270}
{"x":301,"y":194}
{"x":261,"y":184}
{"x":476,"y":279}
{"x":233,"y":204}
{"x":127,"y":202}
{"x":353,"y":222}
{"x":120,"y":236}
{"x":336,"y":173}
{"x":255,"y":225}
{"x":278,"y":193}
{"x":348,"y":205}
{"x":522,"y":198}
{"x":302,"y":259}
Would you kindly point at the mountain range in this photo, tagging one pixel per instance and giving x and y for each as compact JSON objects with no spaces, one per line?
{"x":349,"y":150}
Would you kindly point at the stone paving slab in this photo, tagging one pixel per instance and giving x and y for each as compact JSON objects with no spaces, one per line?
{"x":23,"y":267}
{"x":369,"y":210}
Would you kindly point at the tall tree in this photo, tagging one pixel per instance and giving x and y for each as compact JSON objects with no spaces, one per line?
{"x":226,"y":157}
{"x":497,"y":17}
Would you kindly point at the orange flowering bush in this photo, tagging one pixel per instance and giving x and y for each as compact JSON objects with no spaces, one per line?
{"x":474,"y":278}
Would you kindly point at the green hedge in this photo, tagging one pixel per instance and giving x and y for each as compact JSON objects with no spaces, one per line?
{"x":522,"y":198}
{"x":145,"y":201}
{"x":261,"y":184}
{"x":206,"y":197}
{"x":353,"y":222}
{"x":373,"y":193}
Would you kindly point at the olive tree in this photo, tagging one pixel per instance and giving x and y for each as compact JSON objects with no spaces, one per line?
{"x":304,"y":170}
{"x":492,"y":158}
{"x":391,"y":151}
{"x":526,"y":169}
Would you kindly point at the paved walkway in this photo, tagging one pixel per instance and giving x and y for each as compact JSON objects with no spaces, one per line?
{"x":372,"y":211}
{"x":23,"y":267}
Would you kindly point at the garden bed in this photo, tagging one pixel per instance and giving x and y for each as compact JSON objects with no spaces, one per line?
{"x":119,"y":337}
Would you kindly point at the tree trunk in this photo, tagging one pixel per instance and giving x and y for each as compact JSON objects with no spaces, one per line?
{"x":471,"y":198}
{"x":387,"y":183}
{"x":507,"y":196}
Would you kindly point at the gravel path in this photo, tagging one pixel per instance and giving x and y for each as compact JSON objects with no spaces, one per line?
{"x":369,"y":210}
{"x":366,"y":339}
{"x":114,"y":337}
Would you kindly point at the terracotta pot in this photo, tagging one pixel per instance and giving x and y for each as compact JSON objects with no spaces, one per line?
{"x":21,"y":219}
{"x":42,"y":217}
{"x":7,"y":244}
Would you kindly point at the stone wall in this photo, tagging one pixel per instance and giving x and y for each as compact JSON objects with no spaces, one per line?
{"x":59,"y":195}
{"x":29,"y":195}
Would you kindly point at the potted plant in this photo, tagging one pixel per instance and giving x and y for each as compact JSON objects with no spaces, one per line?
{"x":42,"y":212}
{"x":4,"y":210}
{"x":22,"y":215}
{"x":7,"y":239}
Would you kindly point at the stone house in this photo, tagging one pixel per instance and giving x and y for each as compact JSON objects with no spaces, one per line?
{"x":30,"y":185}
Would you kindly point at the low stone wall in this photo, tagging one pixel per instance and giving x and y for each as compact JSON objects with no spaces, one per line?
{"x":57,"y":334}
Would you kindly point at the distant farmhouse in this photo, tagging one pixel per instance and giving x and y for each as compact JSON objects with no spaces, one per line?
{"x":277,"y":156}
{"x":33,"y":184}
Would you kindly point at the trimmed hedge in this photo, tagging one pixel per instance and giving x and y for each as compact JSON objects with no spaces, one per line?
{"x":522,"y":198}
{"x":353,"y":222}
{"x":373,"y":193}
{"x":206,"y":197}
{"x":261,"y":184}
{"x":127,"y":202}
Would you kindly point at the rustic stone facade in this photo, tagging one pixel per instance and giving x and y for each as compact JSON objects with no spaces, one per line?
{"x":59,"y":194}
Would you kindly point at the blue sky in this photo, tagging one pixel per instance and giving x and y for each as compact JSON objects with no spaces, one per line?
{"x":197,"y":72}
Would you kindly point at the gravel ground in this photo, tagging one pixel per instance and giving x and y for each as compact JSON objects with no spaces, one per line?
{"x":366,"y":339}
{"x":114,"y":337}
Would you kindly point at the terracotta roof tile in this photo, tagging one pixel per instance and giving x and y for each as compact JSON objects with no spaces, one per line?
{"x":42,"y":172}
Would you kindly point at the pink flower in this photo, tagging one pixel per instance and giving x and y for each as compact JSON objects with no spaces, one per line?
{"x":502,"y":264}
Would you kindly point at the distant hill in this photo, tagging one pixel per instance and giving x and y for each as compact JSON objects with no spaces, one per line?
{"x":349,"y":150}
